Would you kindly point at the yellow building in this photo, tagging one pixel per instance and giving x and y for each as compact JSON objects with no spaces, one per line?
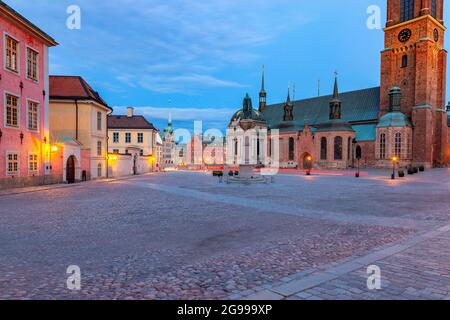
{"x":78,"y":112}
{"x":132,"y":135}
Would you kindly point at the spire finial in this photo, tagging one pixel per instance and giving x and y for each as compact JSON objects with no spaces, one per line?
{"x":289,"y":92}
{"x":263,"y":80}
{"x":336,"y":90}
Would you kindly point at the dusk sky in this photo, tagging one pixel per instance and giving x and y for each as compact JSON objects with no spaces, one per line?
{"x":199,"y":58}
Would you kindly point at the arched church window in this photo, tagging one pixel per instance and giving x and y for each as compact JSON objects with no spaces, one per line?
{"x":349,"y":148}
{"x":338,"y":148}
{"x":407,"y":10}
{"x":398,"y":145}
{"x":236,"y":147}
{"x":323,"y":148}
{"x":382,"y":146}
{"x":291,"y":148}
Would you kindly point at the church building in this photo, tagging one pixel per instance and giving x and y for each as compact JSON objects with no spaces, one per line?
{"x":404,"y":119}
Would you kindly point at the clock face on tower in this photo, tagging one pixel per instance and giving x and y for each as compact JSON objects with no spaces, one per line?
{"x":436,"y":35}
{"x":404,"y":35}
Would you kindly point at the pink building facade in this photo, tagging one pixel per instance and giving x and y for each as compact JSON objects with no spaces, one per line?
{"x":25,"y":149}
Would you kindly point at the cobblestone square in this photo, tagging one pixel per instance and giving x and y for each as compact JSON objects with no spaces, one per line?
{"x":183,"y":235}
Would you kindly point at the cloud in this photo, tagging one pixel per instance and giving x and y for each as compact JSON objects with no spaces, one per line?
{"x":162,"y":46}
{"x":216,"y":115}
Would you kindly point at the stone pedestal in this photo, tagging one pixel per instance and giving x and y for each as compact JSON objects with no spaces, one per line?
{"x":246,"y":171}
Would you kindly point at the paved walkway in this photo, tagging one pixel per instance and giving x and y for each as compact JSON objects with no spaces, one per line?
{"x":186,"y":236}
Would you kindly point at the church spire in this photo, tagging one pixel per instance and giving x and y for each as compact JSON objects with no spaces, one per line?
{"x":335,"y":103}
{"x":262,"y":94}
{"x":288,"y":107}
{"x":336,"y":90}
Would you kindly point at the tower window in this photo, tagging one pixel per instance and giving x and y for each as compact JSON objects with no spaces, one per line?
{"x":433,"y":8}
{"x":407,"y":10}
{"x":405,"y":61}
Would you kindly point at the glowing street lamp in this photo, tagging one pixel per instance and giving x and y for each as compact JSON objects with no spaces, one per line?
{"x":394,"y":162}
{"x":54,"y":149}
{"x":308,"y":170}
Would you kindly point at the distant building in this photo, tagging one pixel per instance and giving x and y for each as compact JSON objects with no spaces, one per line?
{"x":404,"y":120}
{"x":169,"y":147}
{"x":132,"y":136}
{"x":78,"y":114}
{"x":25,"y":145}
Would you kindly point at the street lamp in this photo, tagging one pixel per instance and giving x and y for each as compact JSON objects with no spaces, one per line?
{"x":308,"y":170}
{"x":394,"y":162}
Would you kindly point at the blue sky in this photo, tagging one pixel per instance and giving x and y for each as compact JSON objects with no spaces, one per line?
{"x":198,"y":58}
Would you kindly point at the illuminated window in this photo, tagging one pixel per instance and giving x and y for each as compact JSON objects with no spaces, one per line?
{"x":116,"y":151}
{"x":33,"y":115}
{"x":338,"y":148}
{"x":12,"y":163}
{"x":32,"y":162}
{"x":32,"y":64}
{"x":12,"y":111}
{"x":12,"y":54}
{"x":407,"y":10}
{"x":382,"y":146}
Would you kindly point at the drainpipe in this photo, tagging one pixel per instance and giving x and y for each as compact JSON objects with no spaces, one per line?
{"x":76,"y":119}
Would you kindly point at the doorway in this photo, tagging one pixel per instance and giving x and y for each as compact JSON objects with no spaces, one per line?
{"x":70,"y":170}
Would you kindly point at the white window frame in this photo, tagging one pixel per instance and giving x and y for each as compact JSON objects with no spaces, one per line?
{"x":99,"y":121}
{"x":27,"y":47}
{"x":99,"y":170}
{"x":99,"y":148}
{"x":38,"y":115}
{"x":37,"y":162}
{"x":5,"y":123}
{"x":116,"y":134}
{"x":5,"y":35}
{"x":7,"y":162}
{"x":140,"y":134}
{"x":126,"y":135}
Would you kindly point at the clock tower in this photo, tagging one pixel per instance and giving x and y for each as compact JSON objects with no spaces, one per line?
{"x":414,"y":60}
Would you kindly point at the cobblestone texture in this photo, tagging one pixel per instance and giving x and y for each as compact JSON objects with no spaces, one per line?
{"x":133,"y":240}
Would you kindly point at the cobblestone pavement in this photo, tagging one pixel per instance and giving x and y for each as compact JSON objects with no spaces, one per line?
{"x":185,"y":236}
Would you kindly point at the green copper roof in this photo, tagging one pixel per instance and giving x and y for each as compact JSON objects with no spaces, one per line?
{"x":360,"y":105}
{"x":365,"y":132}
{"x":394,"y":119}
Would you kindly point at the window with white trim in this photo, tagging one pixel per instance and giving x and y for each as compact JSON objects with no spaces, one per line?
{"x":33,"y":162}
{"x":99,"y":170}
{"x":12,"y":163}
{"x":140,"y":138}
{"x":33,"y":116}
{"x":115,"y":137}
{"x":99,"y":148}
{"x":32,"y":64}
{"x":128,"y":137}
{"x":99,"y":121}
{"x":12,"y":111}
{"x":12,"y":54}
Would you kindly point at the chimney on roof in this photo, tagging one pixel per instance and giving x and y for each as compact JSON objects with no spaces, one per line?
{"x":130,"y":112}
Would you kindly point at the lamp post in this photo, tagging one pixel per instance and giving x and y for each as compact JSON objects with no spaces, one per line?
{"x":394,"y":161}
{"x":308,"y":169}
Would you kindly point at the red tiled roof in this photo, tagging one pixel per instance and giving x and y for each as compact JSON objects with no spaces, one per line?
{"x":124,"y":122}
{"x":73,"y":88}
